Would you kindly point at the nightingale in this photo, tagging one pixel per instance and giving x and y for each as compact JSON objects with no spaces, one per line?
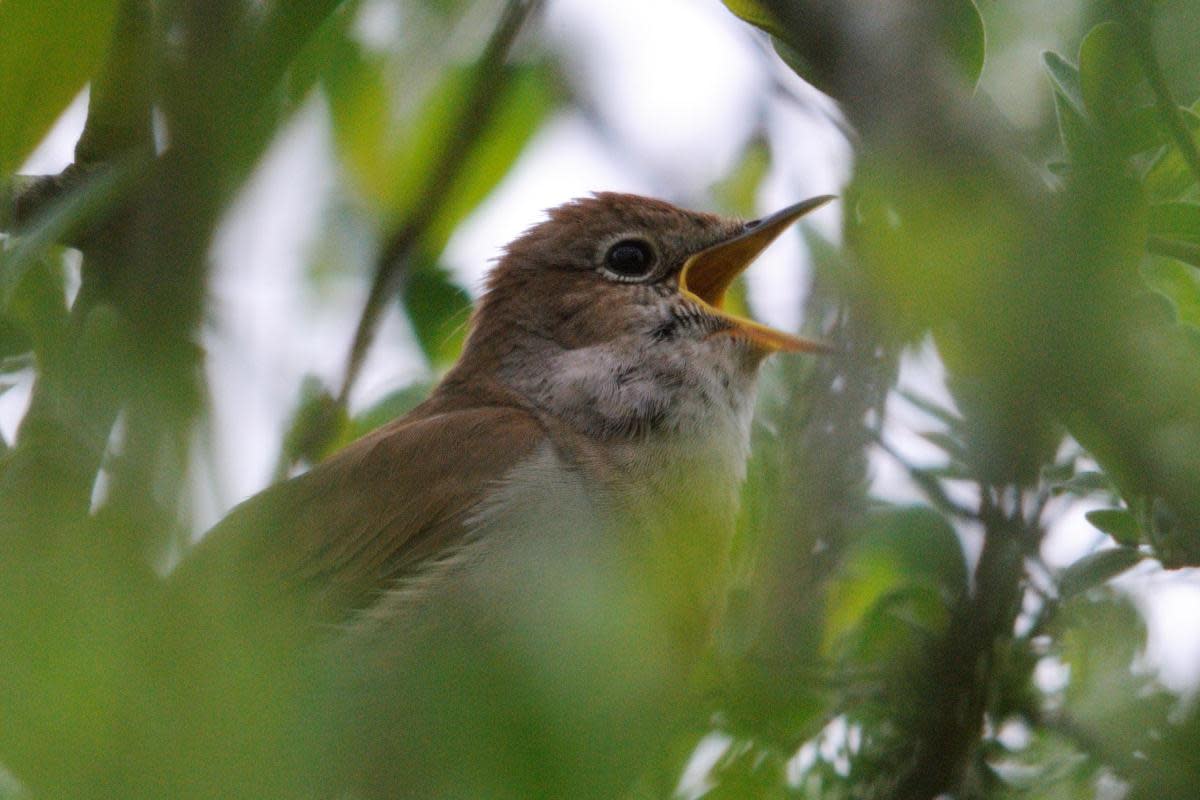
{"x":552,"y":521}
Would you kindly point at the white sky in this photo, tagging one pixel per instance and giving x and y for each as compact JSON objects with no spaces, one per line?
{"x":684,"y":85}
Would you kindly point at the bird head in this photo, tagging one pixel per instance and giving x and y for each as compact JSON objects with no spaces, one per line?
{"x":619,"y":300}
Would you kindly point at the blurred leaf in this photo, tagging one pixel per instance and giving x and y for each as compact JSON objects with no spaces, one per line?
{"x":48,"y":50}
{"x":393,"y":406}
{"x":529,"y":95}
{"x":438,"y":309}
{"x":1050,"y":766}
{"x":1139,"y":130}
{"x":1178,"y":283}
{"x":316,"y":424}
{"x":1108,"y":72}
{"x":1065,"y":76}
{"x":1058,"y":473}
{"x":1186,"y":252}
{"x":1084,"y":483}
{"x":752,"y":11}
{"x":1120,"y":524}
{"x":738,"y":191}
{"x":1175,"y":231}
{"x":360,"y":99}
{"x":1096,"y":569}
{"x":1099,"y":636}
{"x":1073,"y":129}
{"x":13,"y":339}
{"x":37,"y":302}
{"x":321,"y":54}
{"x":68,"y":216}
{"x":951,"y":419}
{"x":1170,"y":176}
{"x":392,"y":154}
{"x":902,"y":548}
{"x":1178,"y":221}
{"x":964,"y":36}
{"x":747,"y":771}
{"x":1109,"y":81}
{"x":947,"y":443}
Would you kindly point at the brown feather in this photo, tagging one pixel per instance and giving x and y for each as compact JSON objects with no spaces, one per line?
{"x":332,"y":540}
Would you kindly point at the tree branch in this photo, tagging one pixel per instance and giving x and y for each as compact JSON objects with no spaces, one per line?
{"x":316,"y":430}
{"x":481,"y":104}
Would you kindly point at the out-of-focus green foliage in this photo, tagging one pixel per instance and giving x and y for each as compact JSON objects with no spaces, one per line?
{"x":868,"y":648}
{"x":48,"y":52}
{"x":959,"y":30}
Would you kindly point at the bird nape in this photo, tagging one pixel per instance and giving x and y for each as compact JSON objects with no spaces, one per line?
{"x":503,"y":593}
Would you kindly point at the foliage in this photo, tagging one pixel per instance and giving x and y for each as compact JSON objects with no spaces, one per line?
{"x":868,"y":647}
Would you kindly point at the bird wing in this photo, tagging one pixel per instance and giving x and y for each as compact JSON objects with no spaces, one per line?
{"x":344,"y":532}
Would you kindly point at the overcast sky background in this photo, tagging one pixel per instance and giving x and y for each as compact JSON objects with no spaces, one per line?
{"x":679,"y":87}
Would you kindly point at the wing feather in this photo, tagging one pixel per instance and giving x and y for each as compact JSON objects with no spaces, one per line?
{"x":338,"y":536}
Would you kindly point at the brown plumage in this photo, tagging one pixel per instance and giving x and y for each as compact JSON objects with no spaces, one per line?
{"x":596,"y":424}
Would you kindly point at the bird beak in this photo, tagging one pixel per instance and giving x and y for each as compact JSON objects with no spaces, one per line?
{"x":707,"y":275}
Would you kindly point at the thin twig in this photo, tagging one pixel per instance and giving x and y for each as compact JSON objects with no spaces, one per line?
{"x":481,"y":103}
{"x":928,"y":483}
{"x":310,"y":433}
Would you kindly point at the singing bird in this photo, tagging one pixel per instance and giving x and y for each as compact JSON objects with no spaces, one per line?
{"x":552,"y":521}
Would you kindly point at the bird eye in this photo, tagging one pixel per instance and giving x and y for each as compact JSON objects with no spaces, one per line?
{"x":629,"y":258}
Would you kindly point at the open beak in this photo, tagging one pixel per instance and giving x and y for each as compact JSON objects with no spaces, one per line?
{"x":707,"y":275}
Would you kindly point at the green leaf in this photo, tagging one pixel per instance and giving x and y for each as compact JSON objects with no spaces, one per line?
{"x":738,"y":191}
{"x":949,"y":444}
{"x":752,"y":11}
{"x":1139,"y":130}
{"x":74,"y":212}
{"x":901,"y":548}
{"x":1096,"y":569}
{"x":1073,"y":128}
{"x":530,"y":94}
{"x":14,"y":340}
{"x":48,"y":50}
{"x":438,"y":310}
{"x":964,"y":37}
{"x":392,"y":155}
{"x":1121,"y":525}
{"x":316,"y":424}
{"x":962,"y":34}
{"x":1170,"y":176}
{"x":1065,"y":77}
{"x":1177,"y":221}
{"x":37,"y":302}
{"x":1108,"y":73}
{"x":951,"y":419}
{"x":1180,"y":284}
{"x":1186,"y":252}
